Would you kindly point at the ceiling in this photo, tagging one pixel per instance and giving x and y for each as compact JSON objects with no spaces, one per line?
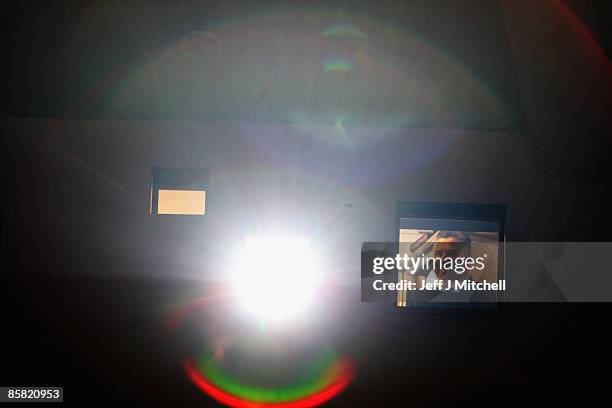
{"x":433,"y":64}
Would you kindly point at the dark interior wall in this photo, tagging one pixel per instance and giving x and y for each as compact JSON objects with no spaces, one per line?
{"x":562,"y":61}
{"x":79,"y":185}
{"x":76,"y":191}
{"x":383,"y":63}
{"x":75,"y":194}
{"x":85,"y":304}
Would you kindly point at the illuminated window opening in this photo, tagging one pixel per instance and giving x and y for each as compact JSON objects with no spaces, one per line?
{"x":178,"y":192}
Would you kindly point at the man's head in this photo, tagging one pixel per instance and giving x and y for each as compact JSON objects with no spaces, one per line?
{"x":451,"y":245}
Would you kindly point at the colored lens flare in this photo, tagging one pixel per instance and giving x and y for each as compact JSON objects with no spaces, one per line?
{"x":338,"y":65}
{"x":320,"y":373}
{"x":334,"y":379}
{"x":319,"y":379}
{"x":343,"y":30}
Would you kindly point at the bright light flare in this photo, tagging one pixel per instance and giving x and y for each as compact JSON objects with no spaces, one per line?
{"x":275,"y":278}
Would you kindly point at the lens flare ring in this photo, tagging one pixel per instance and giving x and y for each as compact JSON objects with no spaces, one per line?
{"x":330,"y":376}
{"x":342,"y":375}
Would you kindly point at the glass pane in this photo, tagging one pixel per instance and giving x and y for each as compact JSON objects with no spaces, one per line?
{"x":181,"y":202}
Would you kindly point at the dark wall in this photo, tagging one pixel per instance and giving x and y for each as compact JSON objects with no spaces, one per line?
{"x":77,"y":191}
{"x":88,"y":277}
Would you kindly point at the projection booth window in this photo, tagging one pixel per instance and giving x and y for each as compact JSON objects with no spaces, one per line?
{"x":178,"y":191}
